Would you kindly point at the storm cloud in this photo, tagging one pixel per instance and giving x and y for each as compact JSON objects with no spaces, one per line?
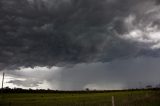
{"x":120,"y":74}
{"x":66,"y":32}
{"x":78,"y":44}
{"x":26,"y":83}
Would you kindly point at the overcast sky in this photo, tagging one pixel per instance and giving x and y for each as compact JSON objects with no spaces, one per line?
{"x":78,"y":44}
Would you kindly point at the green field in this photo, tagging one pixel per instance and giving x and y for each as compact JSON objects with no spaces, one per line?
{"x":122,"y":98}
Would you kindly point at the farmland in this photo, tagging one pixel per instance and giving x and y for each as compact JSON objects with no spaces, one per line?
{"x":122,"y":98}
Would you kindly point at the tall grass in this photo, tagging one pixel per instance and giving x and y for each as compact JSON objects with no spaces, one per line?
{"x":127,"y":98}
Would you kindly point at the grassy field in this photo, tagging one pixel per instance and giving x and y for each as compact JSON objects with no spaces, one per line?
{"x":122,"y":98}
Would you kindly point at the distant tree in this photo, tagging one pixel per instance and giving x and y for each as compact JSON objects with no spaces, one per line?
{"x":7,"y":88}
{"x":158,"y":86}
{"x":87,"y":89}
{"x":149,"y":86}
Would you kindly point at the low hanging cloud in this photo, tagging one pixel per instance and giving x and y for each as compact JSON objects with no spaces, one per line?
{"x":26,"y":83}
{"x":36,"y":78}
{"x":119,"y":74}
{"x":66,"y":32}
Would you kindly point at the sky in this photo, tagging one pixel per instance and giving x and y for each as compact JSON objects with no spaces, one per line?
{"x":79,"y":44}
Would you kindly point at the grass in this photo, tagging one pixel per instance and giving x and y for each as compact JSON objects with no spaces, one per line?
{"x":122,"y":98}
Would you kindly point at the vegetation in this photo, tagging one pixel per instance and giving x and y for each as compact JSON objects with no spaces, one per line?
{"x":81,"y":98}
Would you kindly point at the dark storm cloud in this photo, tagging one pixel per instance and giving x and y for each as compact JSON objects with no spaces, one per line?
{"x":157,"y":1}
{"x":59,"y":32}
